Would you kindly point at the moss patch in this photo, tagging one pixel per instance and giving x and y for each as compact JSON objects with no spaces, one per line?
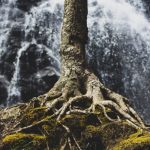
{"x":136,"y":141}
{"x":23,"y":141}
{"x":33,"y":115}
{"x":92,"y":131}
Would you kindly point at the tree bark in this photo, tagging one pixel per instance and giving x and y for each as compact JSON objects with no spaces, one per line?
{"x":74,"y":36}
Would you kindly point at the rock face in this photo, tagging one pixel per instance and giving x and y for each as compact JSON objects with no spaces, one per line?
{"x":39,"y":75}
{"x":26,"y":5}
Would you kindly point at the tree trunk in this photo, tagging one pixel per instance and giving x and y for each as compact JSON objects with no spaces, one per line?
{"x":74,"y":36}
{"x":78,"y":83}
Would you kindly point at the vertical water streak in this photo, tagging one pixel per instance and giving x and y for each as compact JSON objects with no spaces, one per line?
{"x":14,"y":94}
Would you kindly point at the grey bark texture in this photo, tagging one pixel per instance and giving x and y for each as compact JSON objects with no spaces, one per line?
{"x":74,"y":36}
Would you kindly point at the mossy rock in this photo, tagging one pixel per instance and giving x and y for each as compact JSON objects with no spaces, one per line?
{"x":23,"y":141}
{"x":92,"y":131}
{"x":33,"y":115}
{"x":112,"y":132}
{"x":137,"y":141}
{"x":106,"y":135}
{"x":55,"y":133}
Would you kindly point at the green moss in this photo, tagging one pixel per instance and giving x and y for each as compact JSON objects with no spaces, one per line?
{"x":33,"y":116}
{"x":74,"y":120}
{"x":115,"y":130}
{"x":24,"y":141}
{"x":137,"y":140}
{"x":102,"y":117}
{"x":54,"y":131}
{"x":13,"y":137}
{"x":107,"y":134}
{"x":94,"y":130}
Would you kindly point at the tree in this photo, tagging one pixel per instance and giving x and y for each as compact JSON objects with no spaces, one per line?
{"x":78,"y":91}
{"x":77,"y":82}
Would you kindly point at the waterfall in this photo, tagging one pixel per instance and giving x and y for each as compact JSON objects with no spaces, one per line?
{"x":7,"y":10}
{"x":118,"y":48}
{"x":14,"y":94}
{"x":37,"y":29}
{"x":120,"y":39}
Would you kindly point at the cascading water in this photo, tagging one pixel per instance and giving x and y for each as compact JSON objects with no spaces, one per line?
{"x":6,"y":8}
{"x":14,"y":94}
{"x":119,"y":37}
{"x":34,"y":29}
{"x":118,"y":49}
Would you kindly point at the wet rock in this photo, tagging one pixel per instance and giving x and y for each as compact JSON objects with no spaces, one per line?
{"x":9,"y":57}
{"x":147,"y":5}
{"x":25,"y":5}
{"x":36,"y":70}
{"x":37,"y":73}
{"x":3,"y":89}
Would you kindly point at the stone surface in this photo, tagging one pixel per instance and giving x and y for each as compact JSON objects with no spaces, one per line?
{"x":26,"y":5}
{"x":38,"y":25}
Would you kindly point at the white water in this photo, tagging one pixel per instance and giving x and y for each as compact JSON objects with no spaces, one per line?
{"x":35,"y":17}
{"x":123,"y":29}
{"x":14,"y":94}
{"x":122,"y":17}
{"x":5,"y":22}
{"x":117,"y":28}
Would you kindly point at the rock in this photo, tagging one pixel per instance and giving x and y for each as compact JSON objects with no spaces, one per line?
{"x":24,"y":141}
{"x":37,"y":74}
{"x":26,"y":5}
{"x":136,"y":141}
{"x":8,"y":58}
{"x":3,"y":89}
{"x":147,"y":5}
{"x":90,"y":135}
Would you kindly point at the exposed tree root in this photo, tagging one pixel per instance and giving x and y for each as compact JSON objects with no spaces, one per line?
{"x":68,"y":97}
{"x":71,"y":136}
{"x":96,"y":94}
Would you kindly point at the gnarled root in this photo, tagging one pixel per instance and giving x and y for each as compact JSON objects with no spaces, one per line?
{"x":96,"y":93}
{"x":70,"y":96}
{"x":106,"y":98}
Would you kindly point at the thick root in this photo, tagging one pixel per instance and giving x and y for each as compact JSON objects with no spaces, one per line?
{"x":96,"y":92}
{"x":67,"y":98}
{"x":116,"y":102}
